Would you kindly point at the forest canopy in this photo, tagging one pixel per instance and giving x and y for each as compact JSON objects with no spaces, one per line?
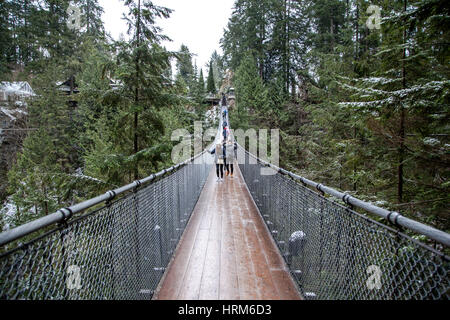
{"x":104,"y":109}
{"x":360,"y":108}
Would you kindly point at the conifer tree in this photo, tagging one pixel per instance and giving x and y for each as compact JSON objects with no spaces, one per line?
{"x":402,"y":89}
{"x":251,"y":94}
{"x":91,"y":17}
{"x":211,"y":86}
{"x":185,"y":67}
{"x":143,"y":61}
{"x":200,"y":88}
{"x":218,"y":68}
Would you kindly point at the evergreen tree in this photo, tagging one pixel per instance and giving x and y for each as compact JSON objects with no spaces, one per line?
{"x":201,"y":82}
{"x":45,"y":175}
{"x":38,"y":31}
{"x":402,"y":100}
{"x":142,"y":64}
{"x":200,"y":88}
{"x":5,"y":33}
{"x":248,"y":30}
{"x":211,"y":86}
{"x":185,"y":68}
{"x":119,"y":129}
{"x":251,"y":94}
{"x":91,"y":17}
{"x":218,"y":68}
{"x":344,"y":95}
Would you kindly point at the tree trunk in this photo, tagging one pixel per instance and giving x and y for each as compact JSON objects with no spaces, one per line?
{"x":136,"y":93}
{"x":332,"y":34}
{"x":261,"y":43}
{"x":286,"y":52}
{"x":88,"y":16}
{"x":402,"y":121}
{"x":357,"y":32}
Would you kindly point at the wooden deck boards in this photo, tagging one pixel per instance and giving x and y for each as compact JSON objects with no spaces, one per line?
{"x":226,"y":252}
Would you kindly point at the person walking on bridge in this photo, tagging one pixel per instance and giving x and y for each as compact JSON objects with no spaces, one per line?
{"x":219,"y":160}
{"x":230,"y":155}
{"x":224,"y":115}
{"x":225,"y":133}
{"x":224,"y":99}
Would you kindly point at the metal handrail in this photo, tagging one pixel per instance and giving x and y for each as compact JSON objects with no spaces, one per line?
{"x":391,"y":216}
{"x":66,"y":213}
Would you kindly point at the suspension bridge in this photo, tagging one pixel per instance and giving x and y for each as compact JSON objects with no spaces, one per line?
{"x":178,"y":234}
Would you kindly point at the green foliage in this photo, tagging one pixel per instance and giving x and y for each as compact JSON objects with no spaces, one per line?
{"x":185,"y":68}
{"x":365,"y":111}
{"x":116,"y":129}
{"x":218,"y":68}
{"x":199,"y":92}
{"x":251,"y":94}
{"x":210,"y":83}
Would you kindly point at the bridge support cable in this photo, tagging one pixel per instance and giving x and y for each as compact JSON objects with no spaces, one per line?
{"x":334,"y":252}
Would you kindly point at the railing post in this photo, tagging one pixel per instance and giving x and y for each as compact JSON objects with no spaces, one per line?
{"x":178,"y":199}
{"x":321,"y":244}
{"x":111,"y":228}
{"x":138,"y":275}
{"x":64,"y":264}
{"x":161,"y":255}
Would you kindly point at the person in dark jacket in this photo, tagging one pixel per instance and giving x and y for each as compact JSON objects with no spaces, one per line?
{"x":224,"y":99}
{"x":225,"y":133}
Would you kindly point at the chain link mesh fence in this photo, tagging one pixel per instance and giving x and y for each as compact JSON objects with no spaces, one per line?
{"x":119,"y":251}
{"x":336,"y":253}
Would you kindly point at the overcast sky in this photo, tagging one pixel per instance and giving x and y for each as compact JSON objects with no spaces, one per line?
{"x":198,"y":24}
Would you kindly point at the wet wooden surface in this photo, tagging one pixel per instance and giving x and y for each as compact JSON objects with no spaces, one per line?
{"x":226,"y":252}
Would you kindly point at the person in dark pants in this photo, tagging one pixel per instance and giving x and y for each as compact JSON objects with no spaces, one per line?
{"x":224,"y":99}
{"x":230,"y":153}
{"x":225,"y":133}
{"x":219,"y":160}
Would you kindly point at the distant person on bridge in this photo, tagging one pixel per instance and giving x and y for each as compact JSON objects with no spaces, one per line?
{"x":225,"y":133}
{"x":219,"y":152}
{"x":230,"y":153}
{"x":224,"y":99}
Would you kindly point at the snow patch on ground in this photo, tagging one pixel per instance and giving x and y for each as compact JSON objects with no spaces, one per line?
{"x":297,"y":235}
{"x":12,"y":113}
{"x":9,"y":113}
{"x":79,"y":174}
{"x":381,"y":203}
{"x":213,"y":114}
{"x":7,"y":214}
{"x":431,"y":141}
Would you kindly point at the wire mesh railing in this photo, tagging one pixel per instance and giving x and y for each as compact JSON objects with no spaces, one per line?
{"x":121,"y":245}
{"x":334,"y":252}
{"x":117,"y":251}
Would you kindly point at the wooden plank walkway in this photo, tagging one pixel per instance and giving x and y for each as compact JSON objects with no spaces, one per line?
{"x":226,"y":252}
